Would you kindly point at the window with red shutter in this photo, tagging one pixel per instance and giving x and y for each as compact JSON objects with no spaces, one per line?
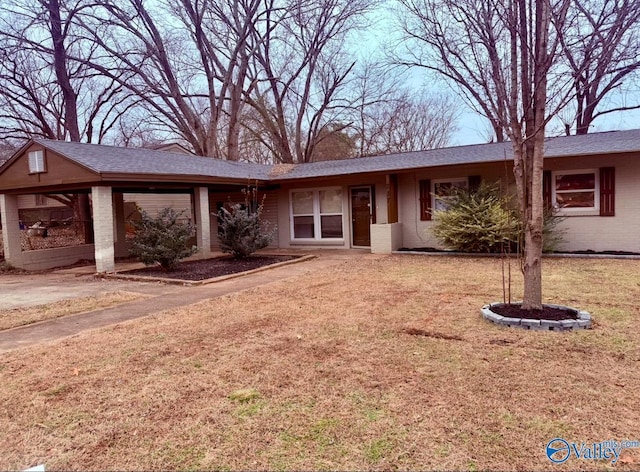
{"x":575,"y":191}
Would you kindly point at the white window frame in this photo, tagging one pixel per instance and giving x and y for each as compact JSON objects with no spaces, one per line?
{"x":36,"y":162}
{"x":444,"y":181}
{"x":596,"y":192}
{"x":317,"y":223}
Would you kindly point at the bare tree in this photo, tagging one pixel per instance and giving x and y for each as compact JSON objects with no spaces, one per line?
{"x":29,"y":103}
{"x":198,"y":65}
{"x":189,"y":62}
{"x":300,"y":74}
{"x":601,"y":49}
{"x":389,"y":117}
{"x":138,"y":129}
{"x":43,"y":92}
{"x":500,"y":53}
{"x":7,"y":148}
{"x":462,"y":43}
{"x":334,"y":143}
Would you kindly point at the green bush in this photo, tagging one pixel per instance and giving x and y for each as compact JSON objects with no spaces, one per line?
{"x":163,"y":240}
{"x":551,"y":235}
{"x":476,"y":221}
{"x":240,"y":228}
{"x":485,"y":220}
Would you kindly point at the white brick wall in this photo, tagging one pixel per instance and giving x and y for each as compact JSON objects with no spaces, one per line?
{"x":346,"y":183}
{"x":43,"y":259}
{"x":386,"y":238}
{"x":203,"y":220}
{"x":103,"y":228}
{"x":618,"y":233}
{"x":11,"y":230}
{"x":612,"y":233}
{"x":152,"y":203}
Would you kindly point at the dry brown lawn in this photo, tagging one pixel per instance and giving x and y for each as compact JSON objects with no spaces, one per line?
{"x":319,"y":372}
{"x":28,"y":315}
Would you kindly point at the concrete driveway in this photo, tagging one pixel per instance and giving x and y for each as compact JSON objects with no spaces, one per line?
{"x":37,"y":289}
{"x":30,"y":290}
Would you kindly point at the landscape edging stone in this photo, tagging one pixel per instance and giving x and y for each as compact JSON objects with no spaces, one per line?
{"x":583,"y":321}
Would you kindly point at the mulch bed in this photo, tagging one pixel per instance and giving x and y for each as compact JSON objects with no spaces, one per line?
{"x":209,"y":268}
{"x":547,"y":313}
{"x":585,"y":252}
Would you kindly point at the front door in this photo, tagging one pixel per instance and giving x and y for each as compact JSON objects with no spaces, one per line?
{"x":361,"y":216}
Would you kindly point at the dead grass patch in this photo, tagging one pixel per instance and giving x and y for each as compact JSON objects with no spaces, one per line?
{"x":317,"y":372}
{"x":422,"y":332}
{"x":28,"y":315}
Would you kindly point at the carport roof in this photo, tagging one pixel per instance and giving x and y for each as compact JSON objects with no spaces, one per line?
{"x":119,"y":160}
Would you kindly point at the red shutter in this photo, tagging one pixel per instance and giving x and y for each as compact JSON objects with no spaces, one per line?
{"x":607,"y":191}
{"x":546,"y":189}
{"x":425,"y":200}
{"x":474,"y":182}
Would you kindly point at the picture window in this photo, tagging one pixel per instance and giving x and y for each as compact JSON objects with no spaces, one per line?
{"x":316,"y":214}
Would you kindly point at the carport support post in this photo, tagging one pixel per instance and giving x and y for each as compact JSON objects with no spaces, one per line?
{"x":203,"y":222}
{"x":103,"y":226}
{"x":11,"y":230}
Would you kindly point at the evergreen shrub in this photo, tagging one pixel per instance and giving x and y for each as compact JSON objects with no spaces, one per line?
{"x":485,"y":220}
{"x":241,"y":230}
{"x":163,"y":240}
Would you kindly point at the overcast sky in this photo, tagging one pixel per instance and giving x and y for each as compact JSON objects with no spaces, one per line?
{"x":473,"y":128}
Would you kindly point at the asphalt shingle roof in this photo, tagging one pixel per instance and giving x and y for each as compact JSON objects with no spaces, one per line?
{"x":114,"y":160}
{"x":564,"y":146}
{"x":403,"y":161}
{"x":109,"y":159}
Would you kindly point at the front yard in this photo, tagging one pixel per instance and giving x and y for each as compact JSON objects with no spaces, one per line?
{"x":321,"y":372}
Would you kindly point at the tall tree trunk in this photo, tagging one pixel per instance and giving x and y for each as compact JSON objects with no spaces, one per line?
{"x":82,"y":211}
{"x":60,"y":65}
{"x":534,"y":148}
{"x":533,"y":242}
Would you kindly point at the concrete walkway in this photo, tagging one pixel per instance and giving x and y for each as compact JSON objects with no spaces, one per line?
{"x":163,"y":297}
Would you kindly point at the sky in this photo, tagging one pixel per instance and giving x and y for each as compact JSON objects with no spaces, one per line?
{"x":472,"y":127}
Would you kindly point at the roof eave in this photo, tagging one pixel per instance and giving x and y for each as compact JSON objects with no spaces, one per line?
{"x":16,"y":155}
{"x":173,"y":178}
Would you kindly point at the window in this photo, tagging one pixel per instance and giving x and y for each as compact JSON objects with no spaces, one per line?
{"x":575,"y":190}
{"x":442,"y":190}
{"x":36,"y":162}
{"x":316,"y":214}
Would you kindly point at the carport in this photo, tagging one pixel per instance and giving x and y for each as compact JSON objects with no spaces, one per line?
{"x":106,"y":173}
